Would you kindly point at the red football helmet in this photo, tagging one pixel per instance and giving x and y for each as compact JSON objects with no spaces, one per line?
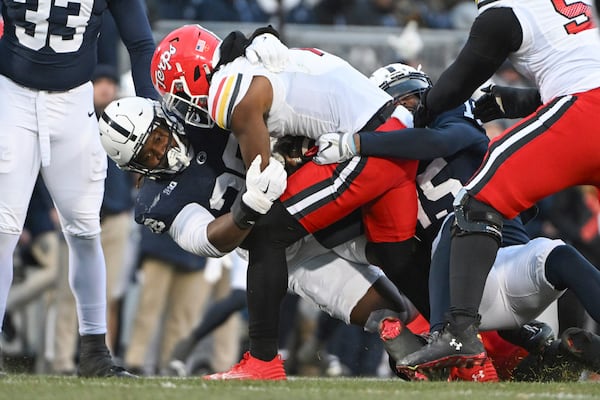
{"x":181,"y":68}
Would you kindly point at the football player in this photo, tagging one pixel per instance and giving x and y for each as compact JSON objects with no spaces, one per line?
{"x":48,"y":125}
{"x":188,"y":201}
{"x":524,"y":279}
{"x":194,"y":178}
{"x":555,"y":45}
{"x":314,"y":92}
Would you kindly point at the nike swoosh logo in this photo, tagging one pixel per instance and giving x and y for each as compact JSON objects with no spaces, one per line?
{"x":329,"y":144}
{"x":90,"y":114}
{"x":266,"y":189}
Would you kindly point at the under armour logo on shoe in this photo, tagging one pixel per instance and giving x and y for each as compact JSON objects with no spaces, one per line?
{"x":478,"y":377}
{"x":457,"y":345}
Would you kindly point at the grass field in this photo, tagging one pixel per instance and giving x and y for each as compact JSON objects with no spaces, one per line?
{"x":37,"y":387}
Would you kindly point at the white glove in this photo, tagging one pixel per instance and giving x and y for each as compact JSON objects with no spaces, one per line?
{"x":335,"y":148}
{"x":268,"y":50}
{"x":263,"y":188}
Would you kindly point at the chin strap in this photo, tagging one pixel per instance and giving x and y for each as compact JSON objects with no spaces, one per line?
{"x":178,"y":157}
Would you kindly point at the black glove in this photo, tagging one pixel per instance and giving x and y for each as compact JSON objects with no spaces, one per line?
{"x":232,"y":47}
{"x":421,"y":115}
{"x":294,"y":151}
{"x":506,"y":102}
{"x":266,"y":29}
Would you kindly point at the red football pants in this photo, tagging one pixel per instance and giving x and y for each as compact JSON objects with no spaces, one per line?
{"x":554,"y":148}
{"x":384,"y":189}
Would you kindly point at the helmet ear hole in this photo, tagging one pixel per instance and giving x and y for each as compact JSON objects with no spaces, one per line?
{"x":197,"y":73}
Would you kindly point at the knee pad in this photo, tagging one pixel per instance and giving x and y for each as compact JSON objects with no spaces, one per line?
{"x":473,"y":216}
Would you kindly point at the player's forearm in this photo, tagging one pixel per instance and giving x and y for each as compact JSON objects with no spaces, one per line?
{"x":224,"y":234}
{"x":418,"y":143}
{"x":494,"y":35}
{"x":253,"y":143}
{"x":134,"y":29}
{"x":248,"y":122}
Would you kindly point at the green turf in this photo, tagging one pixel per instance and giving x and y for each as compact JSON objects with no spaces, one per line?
{"x":36,"y":387}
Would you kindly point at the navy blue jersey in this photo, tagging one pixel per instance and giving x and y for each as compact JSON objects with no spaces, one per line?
{"x":51,"y":45}
{"x":213,"y":179}
{"x":451,"y":149}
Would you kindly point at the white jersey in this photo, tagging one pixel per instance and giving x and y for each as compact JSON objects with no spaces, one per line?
{"x":560,"y":51}
{"x":316,"y":93}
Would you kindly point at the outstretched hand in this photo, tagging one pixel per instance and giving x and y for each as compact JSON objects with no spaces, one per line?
{"x":335,"y":148}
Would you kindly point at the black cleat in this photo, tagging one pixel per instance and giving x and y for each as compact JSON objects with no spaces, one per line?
{"x":95,"y":360}
{"x":551,"y":364}
{"x":533,"y":336}
{"x":446,"y":349}
{"x":584,"y":346}
{"x":397,"y":339}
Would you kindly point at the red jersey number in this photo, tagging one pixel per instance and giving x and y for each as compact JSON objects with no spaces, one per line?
{"x":579,"y":12}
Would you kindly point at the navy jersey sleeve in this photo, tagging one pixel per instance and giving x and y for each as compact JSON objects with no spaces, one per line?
{"x":156,"y":206}
{"x":448,"y":134}
{"x":135,"y":32}
{"x":495,"y":33}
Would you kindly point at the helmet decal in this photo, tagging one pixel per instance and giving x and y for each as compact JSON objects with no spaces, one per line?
{"x":163,"y":65}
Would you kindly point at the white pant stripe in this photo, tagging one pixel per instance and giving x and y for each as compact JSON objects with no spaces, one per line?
{"x":498,"y":151}
{"x":326,"y":191}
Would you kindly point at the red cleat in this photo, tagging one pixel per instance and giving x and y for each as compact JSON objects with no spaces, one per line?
{"x":251,"y":368}
{"x":480,"y":373}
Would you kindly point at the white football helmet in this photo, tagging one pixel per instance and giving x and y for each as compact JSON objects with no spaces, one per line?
{"x":125,"y":126}
{"x":399,"y":80}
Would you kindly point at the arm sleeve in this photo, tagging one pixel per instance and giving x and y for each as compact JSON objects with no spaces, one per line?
{"x":134,"y":28}
{"x":188,"y":230}
{"x":420,"y":143}
{"x":493,"y":36}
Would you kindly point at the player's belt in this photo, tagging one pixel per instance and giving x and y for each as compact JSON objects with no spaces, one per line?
{"x":482,"y":3}
{"x":379,"y":117}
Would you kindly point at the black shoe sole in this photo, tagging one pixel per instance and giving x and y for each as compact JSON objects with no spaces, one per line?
{"x":461,"y":361}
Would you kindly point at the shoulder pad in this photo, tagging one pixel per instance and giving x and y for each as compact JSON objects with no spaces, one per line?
{"x":227,"y":89}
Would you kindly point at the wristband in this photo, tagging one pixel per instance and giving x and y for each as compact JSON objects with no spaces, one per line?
{"x":243,"y":216}
{"x":352,"y":144}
